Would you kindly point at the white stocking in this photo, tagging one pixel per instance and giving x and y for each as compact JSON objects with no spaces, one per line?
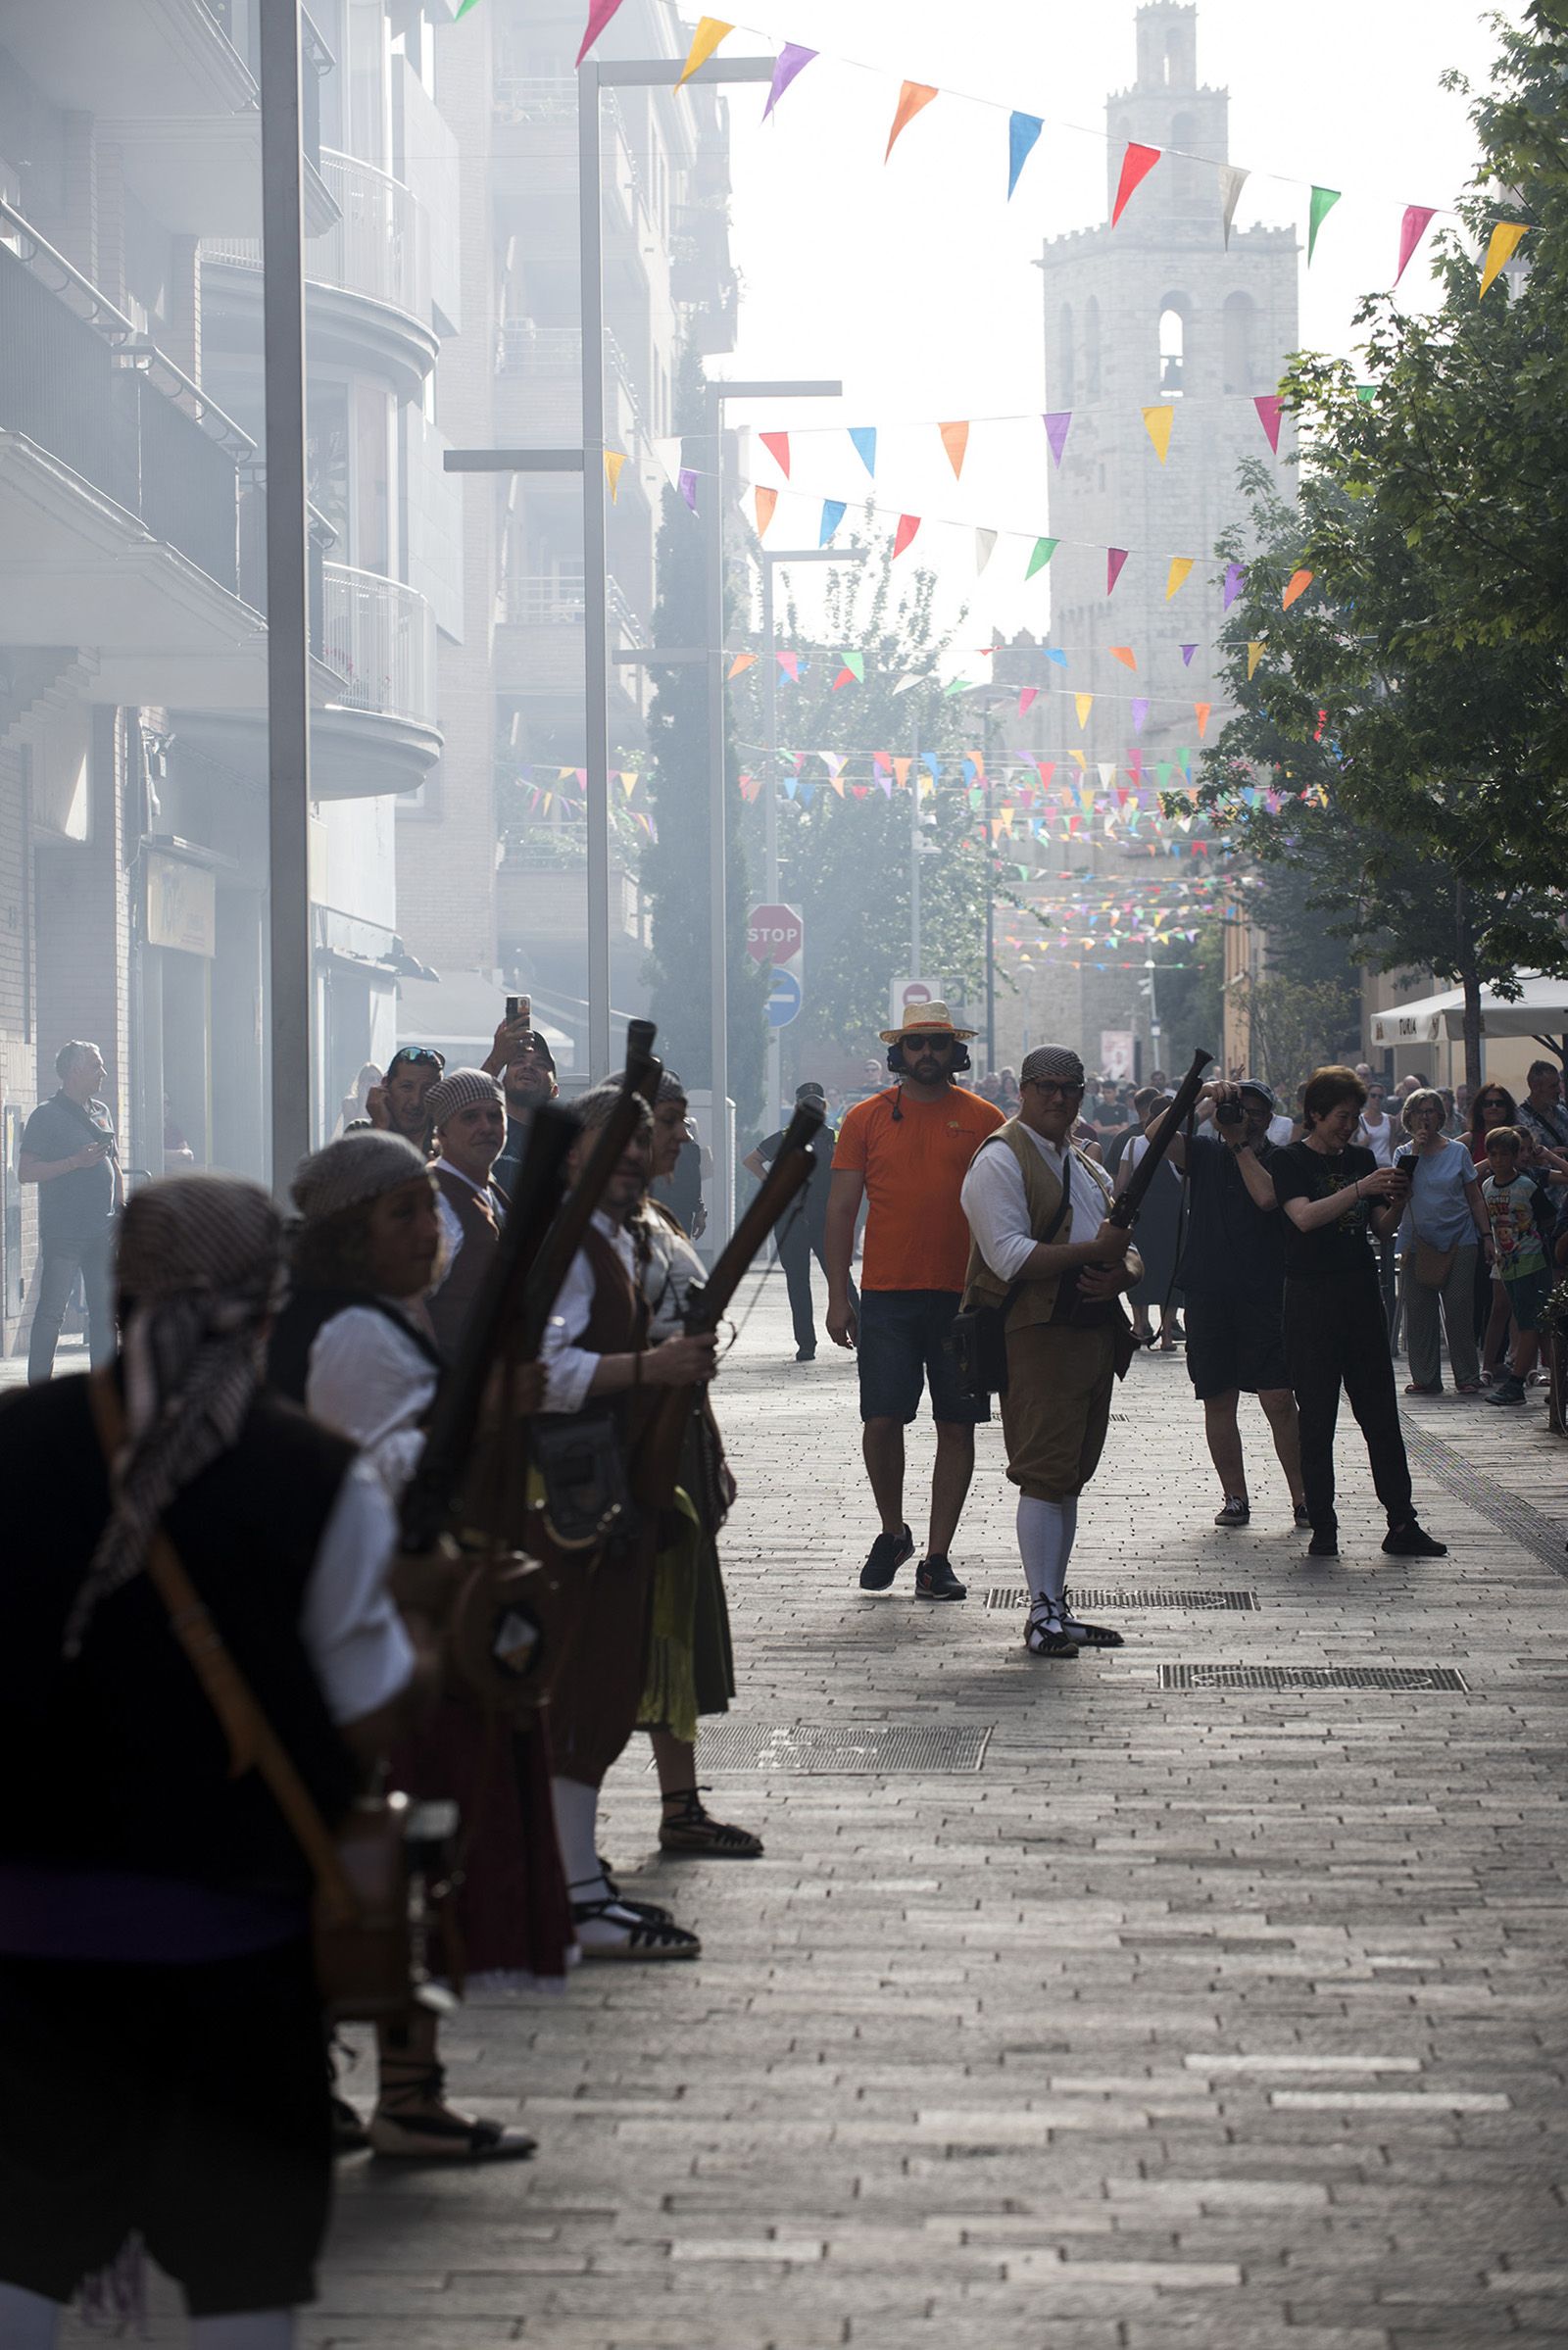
{"x":246,"y":2329}
{"x":27,"y":2321}
{"x":1046,"y":1531}
{"x":576,"y":1809}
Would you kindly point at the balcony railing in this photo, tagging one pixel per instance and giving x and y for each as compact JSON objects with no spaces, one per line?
{"x":557,"y":600}
{"x":554,"y":354}
{"x":77,"y":378}
{"x":379,"y":636}
{"x":532,"y":98}
{"x":379,"y":248}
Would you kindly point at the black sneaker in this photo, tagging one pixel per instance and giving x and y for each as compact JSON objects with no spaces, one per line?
{"x":1411,"y":1540}
{"x":1304,"y":1516}
{"x":934,"y":1579}
{"x":886,"y":1556}
{"x":1236,"y":1512}
{"x":1325,"y":1543}
{"x":806,"y":1354}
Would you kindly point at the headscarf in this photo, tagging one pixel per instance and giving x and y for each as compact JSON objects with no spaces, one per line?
{"x":355,"y":1169}
{"x":1058,"y":1062}
{"x":197,"y":1271}
{"x":459,"y":1089}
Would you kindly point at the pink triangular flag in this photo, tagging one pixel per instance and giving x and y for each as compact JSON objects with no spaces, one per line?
{"x":1412,"y":229}
{"x":790,"y":664}
{"x":599,"y":15}
{"x":778,"y":444}
{"x":908,"y":524}
{"x":1115,"y":557}
{"x":1269,"y":406}
{"x":1027,"y":694}
{"x":1136,"y":165}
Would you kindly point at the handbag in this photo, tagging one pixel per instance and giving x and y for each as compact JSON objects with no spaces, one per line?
{"x":361,"y":1925}
{"x":1431,"y":1265}
{"x":978,"y":1338}
{"x":582,"y":1464}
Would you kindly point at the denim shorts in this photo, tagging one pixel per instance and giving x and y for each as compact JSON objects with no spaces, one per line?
{"x":903,"y":1344}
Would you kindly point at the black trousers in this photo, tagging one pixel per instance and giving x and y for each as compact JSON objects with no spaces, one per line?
{"x":59,"y":1266}
{"x":795,"y":1252}
{"x":1335,"y":1335}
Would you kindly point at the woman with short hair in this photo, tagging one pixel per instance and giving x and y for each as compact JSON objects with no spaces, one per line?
{"x":1443,"y":1226}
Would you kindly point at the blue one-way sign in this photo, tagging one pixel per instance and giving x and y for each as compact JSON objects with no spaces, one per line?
{"x":784,"y":999}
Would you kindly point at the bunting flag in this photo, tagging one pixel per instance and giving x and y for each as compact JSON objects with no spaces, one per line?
{"x":1054,"y":653}
{"x":835,"y":762}
{"x":615,"y":458}
{"x":846,"y":676}
{"x":1254,"y":654}
{"x":855,"y":666}
{"x":901,"y":768}
{"x":955,"y":440}
{"x":985,"y":541}
{"x":792,"y":60}
{"x":1044,"y":550}
{"x":1323,"y":202}
{"x":1115,"y":557}
{"x":766,"y":500}
{"x":865,"y":438}
{"x":741,"y":663}
{"x":1058,"y":425}
{"x":629,"y":779}
{"x":1232,"y":179}
{"x":599,"y":15}
{"x":1296,"y":585}
{"x":1136,"y":165}
{"x":1158,"y":423}
{"x":1180,"y":567}
{"x":912,"y":98}
{"x":1027,"y":696}
{"x":834,"y":511}
{"x":711,"y":30}
{"x":1200,"y":710}
{"x":1270,"y":407}
{"x":1140,"y":712}
{"x":1502,"y":246}
{"x":462,"y":9}
{"x":778,"y":444}
{"x":1125,"y":655}
{"x":1084,"y":703}
{"x":687,"y":486}
{"x":790,"y":664}
{"x":1186,"y":655}
{"x":1234,"y":576}
{"x":908,"y":524}
{"x":1412,"y":229}
{"x":1022,"y":132}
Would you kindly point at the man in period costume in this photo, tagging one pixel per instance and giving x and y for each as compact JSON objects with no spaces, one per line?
{"x":468,"y":1119}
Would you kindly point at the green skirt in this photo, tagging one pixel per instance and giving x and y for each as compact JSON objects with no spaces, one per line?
{"x":691,"y":1664}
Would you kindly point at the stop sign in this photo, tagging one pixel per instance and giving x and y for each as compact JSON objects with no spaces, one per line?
{"x":774,"y":934}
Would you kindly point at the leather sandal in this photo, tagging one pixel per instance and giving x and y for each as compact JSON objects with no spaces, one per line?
{"x":693,"y":1833}
{"x":633,"y":1936}
{"x":412,"y":2123}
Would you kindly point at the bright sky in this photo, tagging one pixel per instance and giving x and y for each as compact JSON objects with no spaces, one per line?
{"x":913,"y":281}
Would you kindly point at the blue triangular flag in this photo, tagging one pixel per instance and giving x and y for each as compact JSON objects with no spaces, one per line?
{"x":865,"y":438}
{"x":1022,"y":132}
{"x":834,"y":511}
{"x":1059,"y":657}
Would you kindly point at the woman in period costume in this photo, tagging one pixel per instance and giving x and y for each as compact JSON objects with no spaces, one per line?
{"x":353,"y":1345}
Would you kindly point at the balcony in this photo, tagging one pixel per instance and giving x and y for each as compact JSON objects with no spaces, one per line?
{"x":368,"y":301}
{"x":539,"y":640}
{"x":378,"y":731}
{"x":539,"y":387}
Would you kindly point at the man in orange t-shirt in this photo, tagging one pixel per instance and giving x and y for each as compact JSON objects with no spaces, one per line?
{"x":905,"y":1152}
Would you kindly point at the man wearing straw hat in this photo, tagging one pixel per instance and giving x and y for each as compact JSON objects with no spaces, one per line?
{"x":905,"y":1152}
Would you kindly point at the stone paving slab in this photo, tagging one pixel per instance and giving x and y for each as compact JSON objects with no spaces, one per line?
{"x":1192,"y":2020}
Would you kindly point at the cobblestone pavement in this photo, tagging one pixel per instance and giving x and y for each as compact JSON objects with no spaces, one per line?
{"x":1189,"y":2018}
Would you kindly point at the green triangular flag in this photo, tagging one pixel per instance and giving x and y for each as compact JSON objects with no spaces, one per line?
{"x":1045,"y":549}
{"x":463,"y":9}
{"x":1367,"y":392}
{"x":1323,"y":202}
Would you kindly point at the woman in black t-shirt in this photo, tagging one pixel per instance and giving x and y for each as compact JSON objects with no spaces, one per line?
{"x":1335,"y":1198}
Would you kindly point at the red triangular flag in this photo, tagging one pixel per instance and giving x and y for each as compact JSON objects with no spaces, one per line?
{"x":599,"y":15}
{"x":1115,"y":557}
{"x":1136,"y":166}
{"x":908,"y":524}
{"x":1412,"y":229}
{"x":778,"y":444}
{"x":1269,"y":406}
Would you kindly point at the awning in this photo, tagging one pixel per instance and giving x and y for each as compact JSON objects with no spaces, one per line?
{"x":1541,"y":1011}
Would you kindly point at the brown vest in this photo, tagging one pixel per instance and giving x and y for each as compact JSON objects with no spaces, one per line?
{"x":1035,"y":1300}
{"x":618,"y":1319}
{"x":454,"y":1302}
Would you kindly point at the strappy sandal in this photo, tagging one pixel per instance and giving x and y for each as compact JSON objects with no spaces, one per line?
{"x":651,"y":1910}
{"x":636,"y":1936}
{"x":1046,"y":1634}
{"x":403,"y":2128}
{"x":1087,"y":1636}
{"x":693,"y":1832}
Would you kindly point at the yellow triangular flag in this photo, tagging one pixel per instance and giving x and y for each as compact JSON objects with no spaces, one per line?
{"x":711,"y":30}
{"x":628,"y":780}
{"x":615,"y":458}
{"x":1079,"y":757}
{"x":1158,"y":423}
{"x":1085,"y":704}
{"x":1296,"y":585}
{"x":741,"y":663}
{"x":1254,"y":654}
{"x":1502,"y":245}
{"x":1176,"y":576}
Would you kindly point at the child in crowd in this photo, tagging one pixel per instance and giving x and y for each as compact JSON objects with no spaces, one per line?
{"x":1521,"y":1210}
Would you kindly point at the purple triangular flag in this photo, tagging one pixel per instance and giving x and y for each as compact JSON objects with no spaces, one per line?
{"x":687,"y":486}
{"x":792,"y":60}
{"x":1235,"y":574}
{"x":1056,"y":427}
{"x":1115,"y":557}
{"x":1140,"y":712}
{"x":1186,"y":655}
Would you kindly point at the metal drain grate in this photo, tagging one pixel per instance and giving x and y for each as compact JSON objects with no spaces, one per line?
{"x":1312,"y":1677}
{"x":824,"y":1749}
{"x":1516,"y":1519}
{"x":1088,"y":1597}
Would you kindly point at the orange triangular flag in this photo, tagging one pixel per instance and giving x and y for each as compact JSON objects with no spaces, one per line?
{"x":615,"y":458}
{"x":1296,"y":585}
{"x":901,"y":768}
{"x":1200,"y":710}
{"x":1175,"y":577}
{"x":1136,"y":165}
{"x":956,"y":440}
{"x":742,"y":661}
{"x":766,"y":500}
{"x":711,"y":30}
{"x":778,"y":444}
{"x":912,"y":96}
{"x":1124,"y":654}
{"x":1502,"y":246}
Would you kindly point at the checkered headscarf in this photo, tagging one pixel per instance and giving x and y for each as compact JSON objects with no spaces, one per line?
{"x":1058,"y":1062}
{"x":198,"y":1270}
{"x":356,"y":1168}
{"x":459,"y":1090}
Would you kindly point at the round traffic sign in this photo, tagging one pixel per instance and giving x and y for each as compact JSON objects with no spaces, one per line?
{"x":784,"y":999}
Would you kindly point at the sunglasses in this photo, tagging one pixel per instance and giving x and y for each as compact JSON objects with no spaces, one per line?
{"x":424,"y":1055}
{"x":1055,"y":1085}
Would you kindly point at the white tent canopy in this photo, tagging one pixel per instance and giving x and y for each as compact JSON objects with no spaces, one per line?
{"x":1541,"y":1010}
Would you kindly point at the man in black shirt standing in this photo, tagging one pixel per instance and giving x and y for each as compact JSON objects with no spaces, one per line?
{"x":1233,"y":1276}
{"x":1334,"y":1197}
{"x":68,"y":1150}
{"x":799,"y":1235}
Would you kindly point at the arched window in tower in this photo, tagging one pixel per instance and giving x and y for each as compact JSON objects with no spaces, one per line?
{"x":1091,"y":349}
{"x":1173,"y":311}
{"x":1240,"y":323}
{"x":1064,"y":375}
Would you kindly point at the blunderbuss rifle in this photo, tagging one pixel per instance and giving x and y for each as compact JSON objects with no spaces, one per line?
{"x":1123,"y":1212}
{"x":656,"y":1464}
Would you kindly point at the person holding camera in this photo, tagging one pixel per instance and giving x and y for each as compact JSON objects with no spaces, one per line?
{"x":1444,"y":1225}
{"x":162,"y":2067}
{"x":1233,"y":1275}
{"x":68,"y":1151}
{"x":1336,"y":1198}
